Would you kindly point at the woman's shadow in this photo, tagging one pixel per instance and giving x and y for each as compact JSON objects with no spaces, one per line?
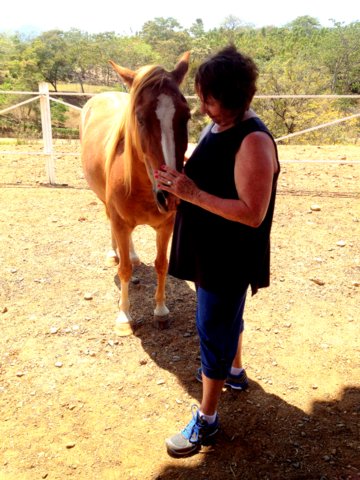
{"x":262,"y":436}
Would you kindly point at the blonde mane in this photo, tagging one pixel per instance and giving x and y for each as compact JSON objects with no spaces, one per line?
{"x":124,"y":126}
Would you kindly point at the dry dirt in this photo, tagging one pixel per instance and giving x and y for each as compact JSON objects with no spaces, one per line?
{"x":77,"y":402}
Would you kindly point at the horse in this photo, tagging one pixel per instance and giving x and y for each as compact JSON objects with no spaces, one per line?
{"x":124,"y":138}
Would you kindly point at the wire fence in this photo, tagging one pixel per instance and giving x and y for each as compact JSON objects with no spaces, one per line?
{"x":50,"y":152}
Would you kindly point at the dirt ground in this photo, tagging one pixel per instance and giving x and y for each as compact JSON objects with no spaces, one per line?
{"x":78,"y":402}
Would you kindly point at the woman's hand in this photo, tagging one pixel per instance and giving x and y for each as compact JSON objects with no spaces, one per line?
{"x":176,"y":183}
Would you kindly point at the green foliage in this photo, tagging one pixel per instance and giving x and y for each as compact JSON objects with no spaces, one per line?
{"x":58,"y":114}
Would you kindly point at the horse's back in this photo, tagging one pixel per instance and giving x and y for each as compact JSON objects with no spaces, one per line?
{"x":100,"y":118}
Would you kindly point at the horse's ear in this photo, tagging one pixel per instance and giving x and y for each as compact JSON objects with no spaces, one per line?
{"x":126,"y":74}
{"x":181,"y":68}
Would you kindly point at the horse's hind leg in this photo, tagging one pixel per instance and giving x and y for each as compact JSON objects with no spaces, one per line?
{"x":135,"y":260}
{"x":112,"y":256}
{"x":161,"y":265}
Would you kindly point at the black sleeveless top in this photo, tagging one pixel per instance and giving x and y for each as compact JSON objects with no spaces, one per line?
{"x":216,"y":253}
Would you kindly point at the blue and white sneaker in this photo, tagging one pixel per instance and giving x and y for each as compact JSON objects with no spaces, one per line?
{"x":198,"y":432}
{"x":236,"y":382}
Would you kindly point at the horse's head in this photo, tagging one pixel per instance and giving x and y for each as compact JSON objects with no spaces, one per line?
{"x":158,"y":119}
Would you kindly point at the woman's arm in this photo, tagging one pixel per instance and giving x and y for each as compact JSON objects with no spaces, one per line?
{"x":255,"y":165}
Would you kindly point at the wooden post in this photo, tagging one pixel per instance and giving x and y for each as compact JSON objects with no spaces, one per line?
{"x":46,"y":131}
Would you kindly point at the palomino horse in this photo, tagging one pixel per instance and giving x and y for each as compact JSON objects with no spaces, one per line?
{"x":125,"y":137}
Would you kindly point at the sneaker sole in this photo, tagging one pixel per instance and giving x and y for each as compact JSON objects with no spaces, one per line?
{"x":235,"y":387}
{"x":189,"y":451}
{"x":176,"y":454}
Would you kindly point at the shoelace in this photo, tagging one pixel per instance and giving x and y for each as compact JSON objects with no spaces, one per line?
{"x":191,"y":431}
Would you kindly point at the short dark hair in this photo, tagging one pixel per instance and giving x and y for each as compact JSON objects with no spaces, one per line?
{"x":229,"y":77}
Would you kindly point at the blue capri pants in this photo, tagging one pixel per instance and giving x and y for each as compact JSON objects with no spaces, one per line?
{"x":219,"y":321}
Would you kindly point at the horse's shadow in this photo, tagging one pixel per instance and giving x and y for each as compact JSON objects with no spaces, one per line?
{"x":262,"y":435}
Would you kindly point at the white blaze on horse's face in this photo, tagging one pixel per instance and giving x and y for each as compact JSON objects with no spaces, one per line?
{"x":165,"y":113}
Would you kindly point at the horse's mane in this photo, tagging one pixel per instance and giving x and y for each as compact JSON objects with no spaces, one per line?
{"x":124,"y":127}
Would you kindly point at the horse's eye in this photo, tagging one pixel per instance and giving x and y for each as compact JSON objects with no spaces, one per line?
{"x":141,"y":121}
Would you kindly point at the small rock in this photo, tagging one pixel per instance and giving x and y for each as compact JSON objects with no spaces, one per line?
{"x":341,"y":243}
{"x":315,"y":208}
{"x":355,"y":284}
{"x":58,"y":364}
{"x":20,"y":374}
{"x":54,"y":330}
{"x":70,"y":445}
{"x":88,"y":296}
{"x":4,"y":310}
{"x":317,"y":281}
{"x":315,"y":387}
{"x":160,"y":382}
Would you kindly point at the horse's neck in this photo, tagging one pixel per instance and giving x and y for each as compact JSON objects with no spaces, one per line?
{"x":139,"y":171}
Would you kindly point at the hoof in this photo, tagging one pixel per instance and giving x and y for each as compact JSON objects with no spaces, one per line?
{"x":162,"y":323}
{"x":123,"y":330}
{"x":123,"y":326}
{"x":135,"y":261}
{"x":111,"y":260}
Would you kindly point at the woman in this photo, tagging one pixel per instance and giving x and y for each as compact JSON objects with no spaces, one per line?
{"x":221,"y":237}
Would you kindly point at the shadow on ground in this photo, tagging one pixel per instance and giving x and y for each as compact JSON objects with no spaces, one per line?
{"x":262,"y":436}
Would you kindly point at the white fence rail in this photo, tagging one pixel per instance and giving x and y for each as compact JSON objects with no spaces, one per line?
{"x":45,"y":97}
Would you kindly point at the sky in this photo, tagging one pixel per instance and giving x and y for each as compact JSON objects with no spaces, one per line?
{"x":128,"y":17}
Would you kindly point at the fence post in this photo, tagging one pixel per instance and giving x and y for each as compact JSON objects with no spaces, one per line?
{"x":46,"y":131}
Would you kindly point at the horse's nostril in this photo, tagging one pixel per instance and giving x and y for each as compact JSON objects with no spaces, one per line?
{"x":161,"y":200}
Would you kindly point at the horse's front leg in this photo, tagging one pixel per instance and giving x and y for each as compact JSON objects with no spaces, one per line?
{"x":163,"y":235}
{"x":123,"y":240}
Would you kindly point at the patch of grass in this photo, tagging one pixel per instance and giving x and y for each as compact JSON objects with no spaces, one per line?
{"x":76,"y":88}
{"x":15,"y":141}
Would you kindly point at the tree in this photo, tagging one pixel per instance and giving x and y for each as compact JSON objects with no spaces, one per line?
{"x":305,"y":24}
{"x":167,"y":37}
{"x":44,"y":59}
{"x":197,"y":28}
{"x":341,"y":55}
{"x":79,"y":55}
